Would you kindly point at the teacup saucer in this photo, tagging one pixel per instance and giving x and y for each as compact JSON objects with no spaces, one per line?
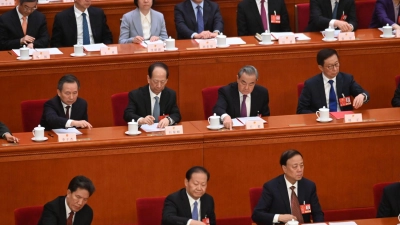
{"x":324,"y":121}
{"x":74,"y":55}
{"x":215,"y":128}
{"x":391,"y":36}
{"x":133,"y":134}
{"x":171,"y":49}
{"x":267,"y":43}
{"x":39,"y":140}
{"x":223,"y":46}
{"x":29,"y":58}
{"x":329,"y":40}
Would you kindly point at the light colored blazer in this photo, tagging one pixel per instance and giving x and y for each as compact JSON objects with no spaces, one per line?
{"x":131,"y":26}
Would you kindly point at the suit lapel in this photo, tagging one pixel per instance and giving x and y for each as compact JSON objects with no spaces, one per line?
{"x":328,"y":6}
{"x":235,"y":100}
{"x":189,"y":8}
{"x":72,"y":24}
{"x":203,"y":208}
{"x":321,"y":90}
{"x":300,"y":192}
{"x":17,"y":23}
{"x":63,"y":211}
{"x":93,"y":20}
{"x":163,"y":101}
{"x":30,"y":30}
{"x":153,"y":23}
{"x":60,"y":108}
{"x":186,"y":205}
{"x":147,"y":101}
{"x":284,"y":193}
{"x":339,"y":86}
{"x":254,"y":102}
{"x":206,"y":9}
{"x":137,"y":22}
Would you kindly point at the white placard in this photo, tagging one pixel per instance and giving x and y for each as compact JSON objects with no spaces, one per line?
{"x":209,"y":43}
{"x":353,"y":118}
{"x":41,"y":55}
{"x":66,"y":137}
{"x":346,"y":36}
{"x":289,"y":39}
{"x":109,"y":51}
{"x":7,"y":2}
{"x":254,"y":124}
{"x":170,"y":130}
{"x":155,"y":47}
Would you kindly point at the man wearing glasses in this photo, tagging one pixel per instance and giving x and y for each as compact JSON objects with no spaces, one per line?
{"x":153,"y":103}
{"x":23,"y":25}
{"x":330,"y":88}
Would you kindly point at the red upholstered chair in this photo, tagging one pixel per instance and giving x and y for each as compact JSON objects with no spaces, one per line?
{"x":301,"y":15}
{"x":243,"y":220}
{"x":119,"y":102}
{"x":349,"y":214}
{"x":378,"y":192}
{"x":255,"y":194}
{"x":149,"y":210}
{"x":31,"y":112}
{"x":28,"y":215}
{"x":397,"y":79}
{"x":364,"y":10}
{"x":300,"y":87}
{"x":210,"y":96}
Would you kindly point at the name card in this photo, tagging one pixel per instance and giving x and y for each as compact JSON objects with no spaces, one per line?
{"x":346,"y":36}
{"x":207,"y":44}
{"x":288,"y":39}
{"x":254,"y":124}
{"x":7,"y":2}
{"x":108,"y":51}
{"x":41,"y":55}
{"x":353,"y":118}
{"x":66,"y":137}
{"x":68,"y":0}
{"x":155,"y":47}
{"x":178,"y":129}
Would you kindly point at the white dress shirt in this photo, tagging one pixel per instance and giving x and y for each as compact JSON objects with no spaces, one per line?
{"x":20,"y":17}
{"x":289,"y":191}
{"x":266,"y":10}
{"x":68,"y":210}
{"x":153,"y":101}
{"x":79,"y":25}
{"x":327,"y":87}
{"x":191,"y":203}
{"x":68,"y":124}
{"x":248,"y":103}
{"x":146,"y":25}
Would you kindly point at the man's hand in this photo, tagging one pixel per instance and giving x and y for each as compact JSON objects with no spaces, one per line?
{"x":11,"y":138}
{"x":358,"y":101}
{"x":26,"y":40}
{"x":81,"y":124}
{"x":137,"y":39}
{"x":154,"y":38}
{"x":163,"y":123}
{"x":147,"y":120}
{"x":196,"y":222}
{"x":343,"y":26}
{"x":286,"y":217}
{"x":227,"y":122}
{"x":204,"y":35}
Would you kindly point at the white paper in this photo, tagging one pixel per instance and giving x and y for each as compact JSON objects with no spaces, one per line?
{"x":235,"y":41}
{"x":144,"y":43}
{"x":301,"y":37}
{"x":237,"y":123}
{"x":94,"y":47}
{"x":314,"y":224}
{"x":251,"y":118}
{"x":52,"y":51}
{"x":151,"y":128}
{"x":381,"y":29}
{"x":16,"y":51}
{"x":67,"y":131}
{"x":343,"y":223}
{"x":277,"y":35}
{"x":336,"y":34}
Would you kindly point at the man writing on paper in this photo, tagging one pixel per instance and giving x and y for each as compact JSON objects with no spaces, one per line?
{"x":153,"y":103}
{"x":6,"y":134}
{"x":23,"y":25}
{"x":242,"y":98}
{"x":66,"y":109}
{"x":288,"y":196}
{"x":330,"y":88}
{"x":198,"y":19}
{"x":81,"y":24}
{"x":72,"y":208}
{"x":190,"y":205}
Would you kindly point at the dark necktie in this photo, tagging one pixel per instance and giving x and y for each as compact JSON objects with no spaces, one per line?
{"x":243,"y":110}
{"x":200,"y":22}
{"x":69,"y":220}
{"x":264,"y":16}
{"x":334,"y":13}
{"x":156,"y":110}
{"x":332,"y":98}
{"x":295,"y":206}
{"x":67,"y":112}
{"x":195,"y":213}
{"x":85,"y":27}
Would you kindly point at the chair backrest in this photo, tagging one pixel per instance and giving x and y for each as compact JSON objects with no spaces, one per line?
{"x":28,"y":215}
{"x":300,"y":87}
{"x":397,"y":80}
{"x":255,"y":195}
{"x":243,"y":220}
{"x":349,"y":214}
{"x":210,"y":97}
{"x":149,"y":210}
{"x":364,"y":10}
{"x":301,"y":15}
{"x":119,"y":102}
{"x":31,"y":113}
{"x":378,"y":192}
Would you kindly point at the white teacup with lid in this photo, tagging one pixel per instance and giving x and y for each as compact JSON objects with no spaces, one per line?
{"x":38,"y":132}
{"x":266,"y":37}
{"x":78,"y":50}
{"x":323,"y":114}
{"x":387,"y":30}
{"x":292,"y":222}
{"x":169,"y":43}
{"x":214,"y":121}
{"x":329,"y":33}
{"x":221,"y":40}
{"x":133,"y":127}
{"x":24,"y":52}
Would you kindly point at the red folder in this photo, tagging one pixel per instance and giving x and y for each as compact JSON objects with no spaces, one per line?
{"x":340,"y":115}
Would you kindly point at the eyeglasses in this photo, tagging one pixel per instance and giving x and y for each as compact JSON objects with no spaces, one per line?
{"x":331,"y":67}
{"x":162,"y":82}
{"x":29,"y":9}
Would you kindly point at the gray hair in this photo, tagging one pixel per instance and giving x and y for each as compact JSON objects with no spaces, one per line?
{"x":249,"y":70}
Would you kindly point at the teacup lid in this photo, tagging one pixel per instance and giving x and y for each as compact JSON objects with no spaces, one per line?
{"x":169,"y":38}
{"x":214,"y":116}
{"x":387,"y":26}
{"x":330,"y":28}
{"x":39,"y":127}
{"x":221,"y":35}
{"x":133,"y":121}
{"x":24,"y":47}
{"x":266,"y":32}
{"x":323,"y":109}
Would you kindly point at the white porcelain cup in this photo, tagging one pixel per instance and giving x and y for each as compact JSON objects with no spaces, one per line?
{"x":78,"y":49}
{"x":221,"y":40}
{"x":24,"y":52}
{"x":214,"y":120}
{"x":329,"y":34}
{"x":38,"y":132}
{"x":133,"y":127}
{"x":266,"y":38}
{"x":387,"y":30}
{"x":170,"y":43}
{"x":323,"y":114}
{"x":292,"y":222}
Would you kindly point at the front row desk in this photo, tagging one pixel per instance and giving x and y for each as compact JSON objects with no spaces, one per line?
{"x":344,"y":160}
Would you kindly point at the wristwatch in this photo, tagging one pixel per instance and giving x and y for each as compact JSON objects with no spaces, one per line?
{"x":365,"y":97}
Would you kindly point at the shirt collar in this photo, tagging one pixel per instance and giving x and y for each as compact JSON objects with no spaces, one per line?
{"x":288,"y":184}
{"x":152,"y":94}
{"x":194,"y":5}
{"x":241,"y":95}
{"x":67,"y":209}
{"x":19,"y":14}
{"x":79,"y":13}
{"x":191,"y":200}
{"x":148,"y":16}
{"x":326,"y":79}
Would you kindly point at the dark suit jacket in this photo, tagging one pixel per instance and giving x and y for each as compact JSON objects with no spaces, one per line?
{"x":396,"y":97}
{"x":275,"y":200}
{"x":313,"y":95}
{"x":249,"y":19}
{"x":390,"y":202}
{"x":321,"y":14}
{"x":3,"y":129}
{"x":140,"y":104}
{"x":65,"y":28}
{"x":185,"y":19}
{"x":177,"y":210}
{"x":54,"y":213}
{"x":54,"y":116}
{"x":383,"y":14}
{"x":11,"y":30}
{"x":229,"y":101}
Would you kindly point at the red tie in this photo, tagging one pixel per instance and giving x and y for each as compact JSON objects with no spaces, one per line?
{"x":294,"y":204}
{"x":69,"y":220}
{"x":264,"y":16}
{"x":67,"y":113}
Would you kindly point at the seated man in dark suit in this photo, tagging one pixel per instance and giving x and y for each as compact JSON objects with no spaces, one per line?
{"x":396,"y":97}
{"x":230,"y":102}
{"x":186,"y":19}
{"x":330,"y":87}
{"x":23,"y":25}
{"x":72,"y":208}
{"x":281,"y":197}
{"x":190,"y":205}
{"x":153,"y":103}
{"x":6,"y":134}
{"x":66,"y":109}
{"x":80,"y":24}
{"x":339,"y":14}
{"x":254,"y":17}
{"x":390,"y":202}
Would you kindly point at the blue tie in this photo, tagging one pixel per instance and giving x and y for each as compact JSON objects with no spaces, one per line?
{"x":156,"y":110}
{"x":334,"y":13}
{"x":200,"y":22}
{"x":332,"y":98}
{"x":195,"y":213}
{"x":86,"y":39}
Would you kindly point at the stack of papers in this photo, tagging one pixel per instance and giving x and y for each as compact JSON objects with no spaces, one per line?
{"x":277,"y":35}
{"x":241,"y":121}
{"x":151,"y":128}
{"x":52,"y":51}
{"x":94,"y":47}
{"x":301,"y":37}
{"x":67,"y":131}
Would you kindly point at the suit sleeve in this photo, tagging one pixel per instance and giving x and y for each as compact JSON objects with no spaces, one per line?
{"x":52,"y":118}
{"x":107,"y":37}
{"x":384,"y":208}
{"x":241,"y":21}
{"x":222,"y":103}
{"x":180,"y":24}
{"x":130,"y":111}
{"x":381,"y":14}
{"x":42,"y":38}
{"x":174,"y":113}
{"x":3,"y":129}
{"x":316,"y":17}
{"x":211,"y":214}
{"x":260,"y":214}
{"x":49,"y":215}
{"x":218,"y":22}
{"x":317,"y":214}
{"x":396,"y":97}
{"x":57,"y":33}
{"x":125,"y":31}
{"x":170,"y":212}
{"x":356,"y":89}
{"x":304,"y":103}
{"x":5,"y":42}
